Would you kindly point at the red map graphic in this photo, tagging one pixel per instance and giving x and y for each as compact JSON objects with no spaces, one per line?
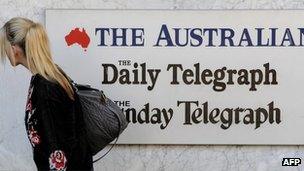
{"x":79,"y":37}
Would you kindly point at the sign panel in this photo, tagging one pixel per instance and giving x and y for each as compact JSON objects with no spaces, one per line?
{"x":190,"y":76}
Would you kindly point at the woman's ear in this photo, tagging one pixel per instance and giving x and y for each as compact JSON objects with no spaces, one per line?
{"x":15,"y":50}
{"x":18,"y":54}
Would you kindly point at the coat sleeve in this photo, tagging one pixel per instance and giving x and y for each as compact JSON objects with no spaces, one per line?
{"x":58,"y":127}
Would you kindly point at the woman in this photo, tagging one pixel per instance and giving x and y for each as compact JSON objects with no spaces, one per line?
{"x":53,"y":117}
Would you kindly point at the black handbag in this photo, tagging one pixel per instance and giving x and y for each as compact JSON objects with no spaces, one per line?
{"x":104,"y":120}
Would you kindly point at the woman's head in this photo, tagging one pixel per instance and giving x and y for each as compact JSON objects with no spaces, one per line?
{"x":26,"y":42}
{"x":12,"y":39}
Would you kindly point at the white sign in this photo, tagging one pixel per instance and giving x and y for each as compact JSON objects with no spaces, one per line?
{"x":190,"y":76}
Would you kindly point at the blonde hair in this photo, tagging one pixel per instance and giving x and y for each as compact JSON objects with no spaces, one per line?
{"x":31,"y":37}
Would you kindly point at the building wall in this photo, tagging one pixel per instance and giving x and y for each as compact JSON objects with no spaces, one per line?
{"x":15,"y":150}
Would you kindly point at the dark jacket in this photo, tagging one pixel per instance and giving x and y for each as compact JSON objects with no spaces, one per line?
{"x":55,"y":128}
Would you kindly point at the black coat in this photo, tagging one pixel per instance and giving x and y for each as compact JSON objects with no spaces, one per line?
{"x":55,"y":128}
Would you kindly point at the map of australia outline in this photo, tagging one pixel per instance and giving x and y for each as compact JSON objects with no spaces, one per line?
{"x":76,"y":36}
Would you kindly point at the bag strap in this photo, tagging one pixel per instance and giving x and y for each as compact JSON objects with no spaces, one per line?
{"x":69,"y":78}
{"x":107,"y":151}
